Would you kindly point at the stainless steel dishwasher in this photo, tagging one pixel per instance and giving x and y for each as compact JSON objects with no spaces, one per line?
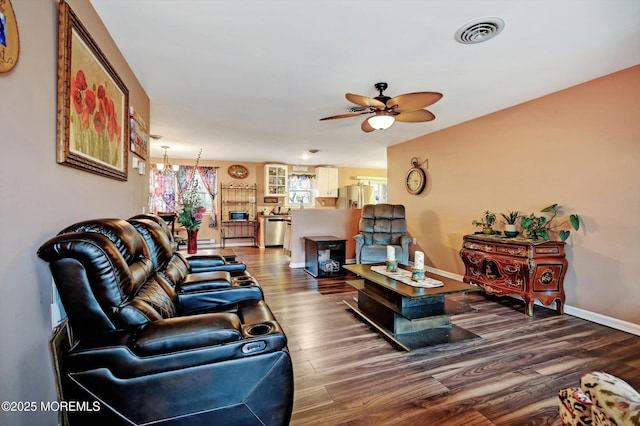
{"x":274,"y":229}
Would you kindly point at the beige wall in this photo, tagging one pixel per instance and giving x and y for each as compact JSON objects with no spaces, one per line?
{"x":38,"y":197}
{"x":579,"y":147}
{"x":341,"y":223}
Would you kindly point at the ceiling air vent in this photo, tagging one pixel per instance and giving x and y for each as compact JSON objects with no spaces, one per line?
{"x":479,"y":30}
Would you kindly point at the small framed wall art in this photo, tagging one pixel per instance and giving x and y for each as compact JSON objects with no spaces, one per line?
{"x":139,"y":134}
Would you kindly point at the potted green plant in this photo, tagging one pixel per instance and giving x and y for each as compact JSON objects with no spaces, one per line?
{"x":486,"y":222}
{"x":539,"y":227}
{"x":510,"y":227}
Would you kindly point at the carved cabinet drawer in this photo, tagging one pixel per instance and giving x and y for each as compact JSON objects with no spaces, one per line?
{"x":526,"y":269}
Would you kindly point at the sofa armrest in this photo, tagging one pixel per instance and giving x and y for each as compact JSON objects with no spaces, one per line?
{"x":233,"y":267}
{"x":359,"y":239}
{"x":205,"y":281}
{"x":182,"y":333}
{"x":205,"y":261}
{"x":213,"y":263}
{"x":118,"y":351}
{"x":202,"y":301}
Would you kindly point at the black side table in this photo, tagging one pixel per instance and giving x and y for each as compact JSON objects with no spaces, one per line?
{"x":324,"y":256}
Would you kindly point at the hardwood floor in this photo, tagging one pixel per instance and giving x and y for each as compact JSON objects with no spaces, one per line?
{"x":347,"y":374}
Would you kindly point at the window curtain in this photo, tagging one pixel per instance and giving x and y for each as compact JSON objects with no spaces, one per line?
{"x":163,"y":191}
{"x":210,"y":179}
{"x":184,"y":177}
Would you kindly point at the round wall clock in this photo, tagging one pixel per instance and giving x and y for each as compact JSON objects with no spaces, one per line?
{"x":9,"y":39}
{"x":416,"y":180}
{"x":238,"y":171}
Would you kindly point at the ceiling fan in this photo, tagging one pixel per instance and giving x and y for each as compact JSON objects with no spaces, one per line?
{"x":407,"y":108}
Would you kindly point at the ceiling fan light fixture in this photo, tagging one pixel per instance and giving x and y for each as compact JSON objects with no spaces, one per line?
{"x":381,"y":121}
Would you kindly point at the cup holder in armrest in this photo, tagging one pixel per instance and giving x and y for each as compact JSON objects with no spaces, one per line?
{"x":244,"y":280}
{"x":259,"y":329}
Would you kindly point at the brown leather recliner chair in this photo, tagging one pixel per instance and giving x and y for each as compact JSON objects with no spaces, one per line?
{"x":143,"y":359}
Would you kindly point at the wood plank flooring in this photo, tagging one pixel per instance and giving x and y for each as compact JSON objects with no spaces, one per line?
{"x":347,"y":374}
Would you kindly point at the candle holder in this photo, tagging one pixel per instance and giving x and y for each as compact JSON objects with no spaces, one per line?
{"x":417,"y":274}
{"x":392,"y":265}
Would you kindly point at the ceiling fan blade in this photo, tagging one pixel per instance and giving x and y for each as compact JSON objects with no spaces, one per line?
{"x":415,"y":116}
{"x":366,"y":127}
{"x":413,"y":101}
{"x":349,"y":114}
{"x":364,"y":101}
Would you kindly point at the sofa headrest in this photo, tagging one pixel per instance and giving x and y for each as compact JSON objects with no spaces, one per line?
{"x":93,"y":278}
{"x":120,"y":232}
{"x":156,"y":239}
{"x":157,"y":219}
{"x":383,"y":211}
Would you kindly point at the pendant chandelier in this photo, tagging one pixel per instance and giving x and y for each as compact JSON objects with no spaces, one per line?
{"x":165,"y":167}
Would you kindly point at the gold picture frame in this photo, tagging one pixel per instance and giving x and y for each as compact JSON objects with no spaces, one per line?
{"x":139,"y":134}
{"x":93,"y":104}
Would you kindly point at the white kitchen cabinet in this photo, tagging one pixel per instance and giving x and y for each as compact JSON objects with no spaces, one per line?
{"x":326,"y":182}
{"x":275,"y":180}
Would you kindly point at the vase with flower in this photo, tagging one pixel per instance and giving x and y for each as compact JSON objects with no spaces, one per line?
{"x":192,"y":213}
{"x":190,"y":218}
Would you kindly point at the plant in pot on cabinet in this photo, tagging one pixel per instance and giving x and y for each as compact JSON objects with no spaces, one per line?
{"x":486,"y":222}
{"x":541,"y":227}
{"x":511,"y":219}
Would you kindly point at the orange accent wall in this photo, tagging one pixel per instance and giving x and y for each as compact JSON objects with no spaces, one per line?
{"x":578,"y":147}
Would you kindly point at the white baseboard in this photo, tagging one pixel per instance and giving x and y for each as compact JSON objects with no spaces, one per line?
{"x":618,"y":324}
{"x":444,"y":273}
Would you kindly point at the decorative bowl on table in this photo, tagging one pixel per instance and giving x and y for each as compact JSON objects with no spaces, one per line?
{"x":511,"y":234}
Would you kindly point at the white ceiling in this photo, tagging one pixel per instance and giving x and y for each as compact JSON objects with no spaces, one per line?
{"x":249,"y":80}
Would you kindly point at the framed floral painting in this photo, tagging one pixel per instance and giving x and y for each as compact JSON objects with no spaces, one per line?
{"x":93,"y":104}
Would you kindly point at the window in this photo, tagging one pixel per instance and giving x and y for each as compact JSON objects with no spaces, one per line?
{"x":204,"y":196}
{"x":380,"y":192}
{"x":301,"y":190}
{"x":164,"y":195}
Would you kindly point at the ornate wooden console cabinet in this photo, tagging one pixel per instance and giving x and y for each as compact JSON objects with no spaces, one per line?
{"x":528,"y":269}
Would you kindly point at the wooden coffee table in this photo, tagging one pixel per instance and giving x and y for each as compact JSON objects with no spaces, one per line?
{"x":411,"y":317}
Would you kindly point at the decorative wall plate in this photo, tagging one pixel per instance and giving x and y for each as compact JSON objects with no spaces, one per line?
{"x":9,"y":38}
{"x":238,"y":171}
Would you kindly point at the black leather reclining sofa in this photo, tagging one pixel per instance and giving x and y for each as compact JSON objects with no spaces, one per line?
{"x":149,"y":348}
